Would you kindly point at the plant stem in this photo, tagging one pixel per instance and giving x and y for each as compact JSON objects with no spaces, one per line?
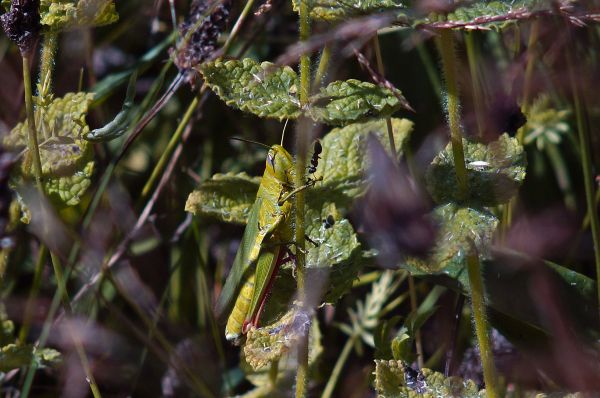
{"x":273,"y":372}
{"x":302,"y":138}
{"x":481,"y":325}
{"x":323,"y":65}
{"x":449,"y":64}
{"x":33,"y":293}
{"x":49,"y":47}
{"x":388,"y":120}
{"x":238,"y":25}
{"x":586,"y":164}
{"x":34,"y":150}
{"x":337,"y":369}
{"x":472,"y":55}
{"x":170,"y":147}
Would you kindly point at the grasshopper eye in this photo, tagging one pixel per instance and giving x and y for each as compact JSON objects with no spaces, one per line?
{"x":271,"y":159}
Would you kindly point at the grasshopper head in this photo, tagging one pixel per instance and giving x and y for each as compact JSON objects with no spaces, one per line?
{"x":280,"y":164}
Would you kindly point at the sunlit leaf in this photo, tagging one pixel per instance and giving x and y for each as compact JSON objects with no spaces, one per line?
{"x":336,"y":10}
{"x":264,"y":89}
{"x":13,"y":356}
{"x":484,"y":14}
{"x":494,"y":171}
{"x":458,"y":226}
{"x":227,"y":197}
{"x":67,"y":159}
{"x":545,"y":123}
{"x":396,"y":379}
{"x":343,"y":163}
{"x":72,"y":14}
{"x":343,"y":102}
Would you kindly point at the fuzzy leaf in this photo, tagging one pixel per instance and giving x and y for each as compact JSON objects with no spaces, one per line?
{"x":227,"y":197}
{"x":546,"y":124}
{"x":61,"y":15}
{"x":264,"y":89}
{"x":395,"y":379}
{"x":267,"y":344}
{"x":338,"y":254}
{"x":343,"y":161}
{"x":485,"y":14}
{"x":494,"y":171}
{"x":67,"y":159}
{"x":458,"y":225}
{"x":13,"y":356}
{"x":343,"y":102}
{"x":335,"y":10}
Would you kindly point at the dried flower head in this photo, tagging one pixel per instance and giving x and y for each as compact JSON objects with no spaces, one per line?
{"x":22,"y":23}
{"x":199,"y":34}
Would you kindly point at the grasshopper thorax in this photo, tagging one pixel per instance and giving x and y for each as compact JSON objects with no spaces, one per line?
{"x":280,"y":164}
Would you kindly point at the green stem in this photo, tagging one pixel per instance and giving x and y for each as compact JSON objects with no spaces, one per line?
{"x":273,"y":373}
{"x":337,"y":369}
{"x":302,"y":138}
{"x":49,"y":47}
{"x":323,"y":65}
{"x":449,"y":64}
{"x":472,"y":55}
{"x":238,"y":25}
{"x":481,"y":325}
{"x":430,"y":69}
{"x":166,"y":155}
{"x":33,"y":146}
{"x":586,"y":164}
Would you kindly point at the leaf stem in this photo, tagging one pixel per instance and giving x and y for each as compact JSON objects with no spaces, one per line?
{"x":481,"y":325}
{"x":49,"y":47}
{"x":32,"y":144}
{"x":448,"y":54}
{"x":302,"y":138}
{"x":337,"y":369}
{"x":323,"y":65}
{"x":586,"y":165}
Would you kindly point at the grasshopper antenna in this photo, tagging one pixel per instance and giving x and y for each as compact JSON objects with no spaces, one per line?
{"x":283,"y":132}
{"x":250,"y":142}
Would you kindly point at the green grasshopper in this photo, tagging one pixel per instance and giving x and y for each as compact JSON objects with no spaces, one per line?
{"x":263,"y":247}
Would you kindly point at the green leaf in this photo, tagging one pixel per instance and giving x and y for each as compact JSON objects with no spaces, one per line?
{"x":545,"y":124}
{"x":458,"y":226}
{"x":267,"y":344}
{"x":343,"y":161}
{"x":336,"y":10}
{"x":494,"y":171}
{"x":338,"y":254}
{"x":343,"y":102}
{"x":61,"y":15}
{"x":395,"y":379}
{"x":264,"y":89}
{"x":67,"y":159}
{"x":485,"y":14}
{"x":13,"y":356}
{"x":226,"y":197}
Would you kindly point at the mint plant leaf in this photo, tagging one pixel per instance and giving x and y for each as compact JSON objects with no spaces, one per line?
{"x":396,"y":379}
{"x":494,"y":171}
{"x":264,"y":89}
{"x":334,"y":10}
{"x":226,"y":197}
{"x":64,"y":15}
{"x":67,"y":159}
{"x":343,"y":102}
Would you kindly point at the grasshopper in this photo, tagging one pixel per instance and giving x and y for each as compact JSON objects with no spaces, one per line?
{"x":263,"y":247}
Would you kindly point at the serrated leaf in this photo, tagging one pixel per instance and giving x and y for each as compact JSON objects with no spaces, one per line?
{"x":338,"y":254}
{"x":264,"y":89}
{"x":336,"y":10}
{"x":485,"y":14}
{"x":494,"y":172}
{"x":227,"y":197}
{"x":66,"y":158}
{"x":343,"y":102}
{"x":396,"y":379}
{"x":343,"y":160}
{"x":267,"y":344}
{"x":458,"y":226}
{"x":61,"y":15}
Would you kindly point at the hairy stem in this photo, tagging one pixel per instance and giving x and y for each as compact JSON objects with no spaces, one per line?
{"x":32,"y":144}
{"x":323,"y":65}
{"x":302,"y":138}
{"x":49,"y":47}
{"x":481,"y":325}
{"x":449,"y":65}
{"x":472,"y":55}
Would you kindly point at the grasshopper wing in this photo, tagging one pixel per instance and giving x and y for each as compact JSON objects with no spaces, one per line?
{"x":245,"y":257}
